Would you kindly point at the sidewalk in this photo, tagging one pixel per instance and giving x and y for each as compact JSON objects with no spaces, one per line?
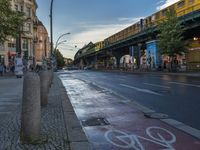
{"x":55,"y":132}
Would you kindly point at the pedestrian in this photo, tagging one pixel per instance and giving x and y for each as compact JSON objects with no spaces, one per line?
{"x":12,"y":68}
{"x":5,"y":68}
{"x":1,"y":69}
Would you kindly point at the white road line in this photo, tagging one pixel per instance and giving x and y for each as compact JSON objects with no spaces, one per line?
{"x":141,"y":90}
{"x":9,"y":103}
{"x":156,"y":85}
{"x":186,"y":84}
{"x":8,"y":112}
{"x":122,"y":79}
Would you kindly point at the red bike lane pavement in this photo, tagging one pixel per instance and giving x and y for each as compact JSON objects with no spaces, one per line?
{"x":111,"y":123}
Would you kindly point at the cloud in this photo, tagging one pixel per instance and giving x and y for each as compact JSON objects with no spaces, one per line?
{"x":99,"y":32}
{"x":163,"y":4}
{"x":91,"y":33}
{"x":95,"y":33}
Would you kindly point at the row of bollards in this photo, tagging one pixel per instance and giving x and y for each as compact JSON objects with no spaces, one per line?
{"x":35,"y":95}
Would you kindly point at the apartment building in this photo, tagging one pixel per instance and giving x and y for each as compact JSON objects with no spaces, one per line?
{"x":42,"y":43}
{"x":24,"y":43}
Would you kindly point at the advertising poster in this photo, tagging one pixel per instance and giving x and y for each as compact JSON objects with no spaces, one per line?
{"x":153,"y":57}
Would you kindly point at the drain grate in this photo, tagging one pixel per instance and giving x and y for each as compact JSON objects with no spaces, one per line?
{"x":95,"y":122}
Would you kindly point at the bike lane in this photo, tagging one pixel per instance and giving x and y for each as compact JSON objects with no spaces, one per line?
{"x":110,"y":122}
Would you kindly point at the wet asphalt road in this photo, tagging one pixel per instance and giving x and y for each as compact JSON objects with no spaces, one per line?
{"x":176,"y":96}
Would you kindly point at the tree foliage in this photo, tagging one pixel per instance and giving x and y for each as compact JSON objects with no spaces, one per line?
{"x":10,"y":21}
{"x":59,"y":58}
{"x":170,"y":37}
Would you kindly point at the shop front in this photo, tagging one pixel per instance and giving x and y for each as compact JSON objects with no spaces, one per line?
{"x":11,"y":58}
{"x":2,"y":58}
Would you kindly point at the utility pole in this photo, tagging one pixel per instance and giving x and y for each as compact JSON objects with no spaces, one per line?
{"x":51,"y":25}
{"x":18,"y":43}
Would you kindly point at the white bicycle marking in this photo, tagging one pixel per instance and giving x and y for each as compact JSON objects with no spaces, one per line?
{"x":126,"y":141}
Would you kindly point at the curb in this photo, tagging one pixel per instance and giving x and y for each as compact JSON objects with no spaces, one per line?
{"x":76,"y":135}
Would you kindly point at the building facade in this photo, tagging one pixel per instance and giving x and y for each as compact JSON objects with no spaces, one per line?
{"x":24,"y":44}
{"x":42,"y":43}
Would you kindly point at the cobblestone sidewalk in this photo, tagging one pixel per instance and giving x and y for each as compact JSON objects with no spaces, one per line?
{"x":53,"y":125}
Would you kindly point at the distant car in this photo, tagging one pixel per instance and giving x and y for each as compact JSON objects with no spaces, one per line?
{"x":87,"y":68}
{"x":72,"y":68}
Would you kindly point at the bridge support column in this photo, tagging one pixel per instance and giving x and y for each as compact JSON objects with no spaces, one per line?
{"x":96,"y":62}
{"x":118,"y":61}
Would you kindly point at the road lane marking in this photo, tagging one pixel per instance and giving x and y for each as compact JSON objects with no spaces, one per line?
{"x":9,"y":103}
{"x":5,"y":112}
{"x":156,"y":85}
{"x":186,"y":84}
{"x":141,"y":90}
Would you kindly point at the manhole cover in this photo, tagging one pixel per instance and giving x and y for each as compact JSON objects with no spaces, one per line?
{"x":95,"y":122}
{"x":156,"y":115}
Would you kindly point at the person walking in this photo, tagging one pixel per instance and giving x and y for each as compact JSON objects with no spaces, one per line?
{"x":1,"y":69}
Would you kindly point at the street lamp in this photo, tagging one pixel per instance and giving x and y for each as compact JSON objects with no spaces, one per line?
{"x":59,"y":44}
{"x":51,"y":25}
{"x":60,"y":38}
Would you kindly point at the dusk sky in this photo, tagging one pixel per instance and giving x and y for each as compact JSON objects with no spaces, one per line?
{"x":93,"y":20}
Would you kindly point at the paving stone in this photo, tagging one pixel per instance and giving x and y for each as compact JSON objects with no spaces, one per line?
{"x":53,"y":128}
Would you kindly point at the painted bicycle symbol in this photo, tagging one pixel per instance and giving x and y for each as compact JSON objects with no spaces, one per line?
{"x":156,"y":135}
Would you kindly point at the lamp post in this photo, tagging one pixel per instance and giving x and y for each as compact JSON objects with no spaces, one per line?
{"x":51,"y":25}
{"x":57,"y":42}
{"x":56,"y":46}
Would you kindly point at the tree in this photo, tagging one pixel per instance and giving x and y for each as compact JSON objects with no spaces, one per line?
{"x":10,"y":21}
{"x":59,"y":58}
{"x":170,"y":37}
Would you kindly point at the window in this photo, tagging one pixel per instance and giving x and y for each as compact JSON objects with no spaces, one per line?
{"x":11,"y":45}
{"x":2,"y":47}
{"x":25,"y":44}
{"x":157,"y":16}
{"x":181,"y":4}
{"x":28,"y":11}
{"x":164,"y":12}
{"x":27,"y":27}
{"x":191,"y":2}
{"x":16,"y":7}
{"x":153,"y":17}
{"x":22,"y":8}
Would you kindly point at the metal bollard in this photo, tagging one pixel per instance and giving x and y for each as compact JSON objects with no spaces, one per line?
{"x":31,"y":109}
{"x":44,"y":87}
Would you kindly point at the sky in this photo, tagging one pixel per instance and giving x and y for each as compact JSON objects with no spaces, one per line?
{"x":93,"y":20}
